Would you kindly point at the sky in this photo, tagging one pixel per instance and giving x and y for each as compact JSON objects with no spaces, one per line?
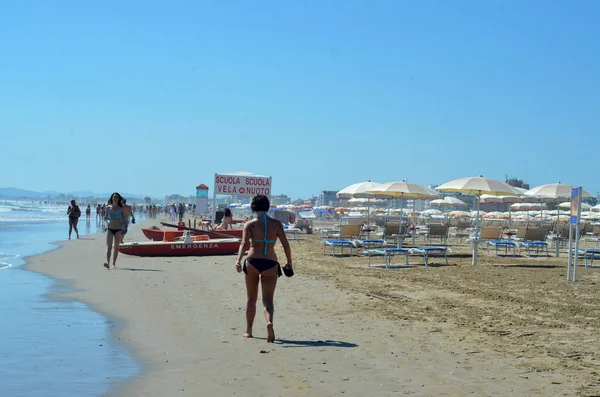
{"x":154,"y":98}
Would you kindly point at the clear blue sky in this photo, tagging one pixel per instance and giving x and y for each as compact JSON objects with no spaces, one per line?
{"x":155,"y":97}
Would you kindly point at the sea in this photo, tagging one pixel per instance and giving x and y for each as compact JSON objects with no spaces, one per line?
{"x":50,"y":346}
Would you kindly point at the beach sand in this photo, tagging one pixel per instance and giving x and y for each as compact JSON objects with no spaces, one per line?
{"x":505,"y":327}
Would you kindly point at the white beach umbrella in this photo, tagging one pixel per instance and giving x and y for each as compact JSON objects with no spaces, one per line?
{"x":596,"y":208}
{"x":478,"y":185}
{"x":584,"y":206}
{"x":448,"y":201}
{"x":404,"y":190}
{"x":555,"y":191}
{"x":431,"y":212}
{"x":359,"y":190}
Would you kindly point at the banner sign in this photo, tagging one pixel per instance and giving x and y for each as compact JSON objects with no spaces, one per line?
{"x":242,"y":185}
{"x":575,"y":205}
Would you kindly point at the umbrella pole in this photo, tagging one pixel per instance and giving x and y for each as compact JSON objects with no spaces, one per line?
{"x":368,"y":218}
{"x":476,"y":242}
{"x":400,"y":224}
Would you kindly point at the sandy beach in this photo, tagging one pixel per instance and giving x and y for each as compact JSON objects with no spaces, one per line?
{"x":505,"y":327}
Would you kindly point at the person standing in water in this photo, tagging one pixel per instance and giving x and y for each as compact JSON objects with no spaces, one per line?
{"x":261,"y":266}
{"x":88,"y":213}
{"x":114,"y":215}
{"x":74,"y":213}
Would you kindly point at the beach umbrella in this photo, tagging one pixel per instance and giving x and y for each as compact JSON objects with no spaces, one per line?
{"x":448,"y":202}
{"x":431,"y":212}
{"x":359,"y":190}
{"x":404,"y":190}
{"x":554,"y":192}
{"x":459,"y":214}
{"x":477,"y":186}
{"x":584,"y":206}
{"x":596,"y":208}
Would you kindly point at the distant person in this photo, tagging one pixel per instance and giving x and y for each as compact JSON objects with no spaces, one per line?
{"x":88,"y":213}
{"x":114,"y":214}
{"x":98,"y":212}
{"x":227,"y":222}
{"x":180,"y":211}
{"x":261,"y":265}
{"x":74,"y":213}
{"x":127,"y":214}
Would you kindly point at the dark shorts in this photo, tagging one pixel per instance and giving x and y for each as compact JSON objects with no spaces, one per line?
{"x":262,"y":265}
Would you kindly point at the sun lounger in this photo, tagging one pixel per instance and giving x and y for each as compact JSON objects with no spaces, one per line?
{"x":535,"y":239}
{"x":502,"y":243}
{"x":387,"y":253}
{"x":537,"y":245}
{"x":589,"y":256}
{"x":292,"y":233}
{"x":431,"y":251}
{"x":341,"y":244}
{"x":369,"y":244}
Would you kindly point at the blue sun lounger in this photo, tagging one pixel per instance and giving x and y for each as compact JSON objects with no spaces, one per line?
{"x":537,"y":245}
{"x":387,"y":253}
{"x":341,"y":244}
{"x":590,"y":255}
{"x":369,"y":244}
{"x":431,"y":251}
{"x":502,"y":243}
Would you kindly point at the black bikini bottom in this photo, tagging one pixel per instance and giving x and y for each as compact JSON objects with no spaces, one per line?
{"x":262,"y":265}
{"x":114,"y":231}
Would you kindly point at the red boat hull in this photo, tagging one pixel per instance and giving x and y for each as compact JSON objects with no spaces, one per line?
{"x":196,"y":248}
{"x":159,"y":234}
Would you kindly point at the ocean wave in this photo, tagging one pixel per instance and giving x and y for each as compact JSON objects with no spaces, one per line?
{"x":4,"y":265}
{"x":4,"y":256}
{"x":33,"y":218}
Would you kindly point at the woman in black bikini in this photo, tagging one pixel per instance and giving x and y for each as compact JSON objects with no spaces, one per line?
{"x":260,"y":235}
{"x":115,"y":214}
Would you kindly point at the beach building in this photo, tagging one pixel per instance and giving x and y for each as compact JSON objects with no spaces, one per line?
{"x":517,"y":183}
{"x":280,"y":199}
{"x":328,"y":197}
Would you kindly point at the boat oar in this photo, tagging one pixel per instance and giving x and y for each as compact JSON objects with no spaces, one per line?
{"x":197,"y":230}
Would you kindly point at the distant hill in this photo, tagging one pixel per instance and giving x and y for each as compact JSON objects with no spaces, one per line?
{"x":17,"y":193}
{"x":13,"y":192}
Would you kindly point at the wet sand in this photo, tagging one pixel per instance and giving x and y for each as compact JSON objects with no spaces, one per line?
{"x":507,"y":326}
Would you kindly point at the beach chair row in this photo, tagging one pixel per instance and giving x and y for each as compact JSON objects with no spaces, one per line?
{"x":376,"y":248}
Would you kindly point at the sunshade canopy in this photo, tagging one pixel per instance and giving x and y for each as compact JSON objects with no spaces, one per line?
{"x":479,"y":185}
{"x":404,"y":190}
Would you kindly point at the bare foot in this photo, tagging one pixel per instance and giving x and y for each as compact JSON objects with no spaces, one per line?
{"x":106,"y":266}
{"x":247,"y":335}
{"x":270,"y":333}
